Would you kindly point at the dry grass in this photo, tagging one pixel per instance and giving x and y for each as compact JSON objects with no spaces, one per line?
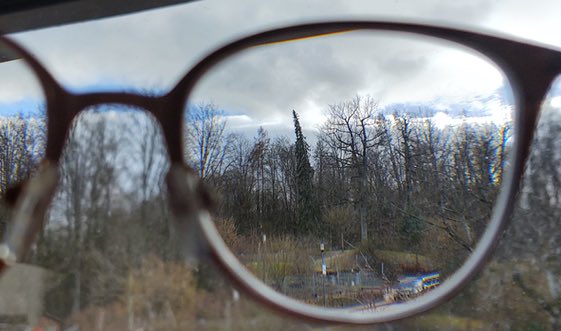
{"x":281,"y":257}
{"x":450,"y":323}
{"x":157,"y":296}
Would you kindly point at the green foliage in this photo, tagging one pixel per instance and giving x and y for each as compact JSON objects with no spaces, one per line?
{"x":411,"y":229}
{"x":395,"y":262}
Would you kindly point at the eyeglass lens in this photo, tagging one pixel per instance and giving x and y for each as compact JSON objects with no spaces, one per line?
{"x":349,"y":170}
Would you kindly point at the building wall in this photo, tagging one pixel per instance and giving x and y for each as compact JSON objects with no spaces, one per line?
{"x":21,"y":292}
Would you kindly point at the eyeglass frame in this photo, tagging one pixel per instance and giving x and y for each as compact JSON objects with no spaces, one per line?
{"x":529,"y":68}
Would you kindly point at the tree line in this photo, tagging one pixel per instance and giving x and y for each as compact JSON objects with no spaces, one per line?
{"x":395,"y":182}
{"x":370,"y":178}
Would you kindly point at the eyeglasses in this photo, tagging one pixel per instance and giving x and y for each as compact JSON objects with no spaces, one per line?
{"x":484,"y":175}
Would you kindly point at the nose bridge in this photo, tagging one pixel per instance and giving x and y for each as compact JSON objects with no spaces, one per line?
{"x":167,"y":110}
{"x":64,"y":109}
{"x":535,"y":72}
{"x":530,"y":68}
{"x":144,"y":102}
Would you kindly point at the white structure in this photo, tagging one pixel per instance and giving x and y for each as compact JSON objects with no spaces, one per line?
{"x":22,"y":288}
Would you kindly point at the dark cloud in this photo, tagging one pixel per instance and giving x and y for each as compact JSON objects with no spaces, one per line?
{"x":267,"y":82}
{"x":152,"y":50}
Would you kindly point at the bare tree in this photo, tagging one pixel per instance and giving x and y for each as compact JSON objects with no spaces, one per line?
{"x":150,"y":157}
{"x":206,"y":139}
{"x":86,"y":193}
{"x":238,"y":177}
{"x":350,"y":128}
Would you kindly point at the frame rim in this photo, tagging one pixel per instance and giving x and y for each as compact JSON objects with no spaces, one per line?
{"x":527,"y":105}
{"x":530,"y":78}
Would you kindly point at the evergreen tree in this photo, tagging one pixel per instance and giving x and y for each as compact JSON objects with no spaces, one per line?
{"x":307,"y":211}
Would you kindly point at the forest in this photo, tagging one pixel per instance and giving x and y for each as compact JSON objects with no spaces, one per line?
{"x":385,"y":186}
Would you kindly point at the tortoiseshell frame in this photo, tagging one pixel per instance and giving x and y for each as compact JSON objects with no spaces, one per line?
{"x":529,"y":68}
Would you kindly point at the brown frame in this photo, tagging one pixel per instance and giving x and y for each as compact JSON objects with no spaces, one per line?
{"x":530,"y":69}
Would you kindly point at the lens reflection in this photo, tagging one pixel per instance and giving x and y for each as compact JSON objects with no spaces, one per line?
{"x":353,"y":170}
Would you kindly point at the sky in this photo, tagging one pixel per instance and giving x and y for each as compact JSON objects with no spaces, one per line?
{"x":152,"y":50}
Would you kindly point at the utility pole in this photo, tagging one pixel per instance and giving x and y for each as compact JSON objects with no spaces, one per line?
{"x":323,"y":271}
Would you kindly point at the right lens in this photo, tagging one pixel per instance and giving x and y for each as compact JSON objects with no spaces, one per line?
{"x":362,"y":167}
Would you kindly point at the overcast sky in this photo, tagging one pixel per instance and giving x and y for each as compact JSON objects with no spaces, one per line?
{"x":153,"y":49}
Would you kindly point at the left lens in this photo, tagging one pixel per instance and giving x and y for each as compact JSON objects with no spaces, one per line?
{"x":361,"y":168}
{"x":107,"y":244}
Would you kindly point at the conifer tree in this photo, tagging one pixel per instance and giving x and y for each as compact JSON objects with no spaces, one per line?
{"x":306,"y":218}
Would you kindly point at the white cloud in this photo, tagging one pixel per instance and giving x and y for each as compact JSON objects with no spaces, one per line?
{"x":442,"y":120}
{"x":555,"y":102}
{"x":239,"y":121}
{"x":18,"y":83}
